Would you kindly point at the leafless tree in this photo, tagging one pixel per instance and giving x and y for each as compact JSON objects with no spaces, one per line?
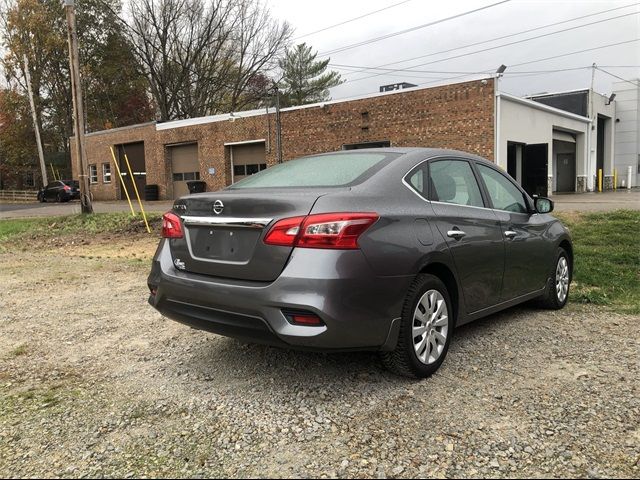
{"x":203,"y":57}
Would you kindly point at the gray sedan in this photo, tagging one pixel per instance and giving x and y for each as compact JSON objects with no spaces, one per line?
{"x":381,"y":249}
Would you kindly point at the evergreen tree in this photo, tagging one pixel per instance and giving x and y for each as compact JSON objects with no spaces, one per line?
{"x":305,"y":79}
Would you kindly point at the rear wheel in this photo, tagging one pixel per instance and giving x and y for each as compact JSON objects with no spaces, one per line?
{"x":59,"y":198}
{"x":557,"y":293}
{"x":425,"y":330}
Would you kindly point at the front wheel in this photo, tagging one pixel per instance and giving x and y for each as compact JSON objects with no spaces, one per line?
{"x":556,"y":295}
{"x":425,"y":330}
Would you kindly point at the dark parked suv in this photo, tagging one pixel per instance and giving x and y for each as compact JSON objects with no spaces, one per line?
{"x":385,"y":249}
{"x":60,"y":191}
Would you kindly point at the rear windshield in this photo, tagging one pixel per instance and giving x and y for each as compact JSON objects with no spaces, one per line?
{"x":333,"y":170}
{"x":72,"y":183}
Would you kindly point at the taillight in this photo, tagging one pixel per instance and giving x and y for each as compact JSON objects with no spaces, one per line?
{"x":67,"y":188}
{"x":171,"y":226}
{"x":326,"y":230}
{"x":284,"y":232}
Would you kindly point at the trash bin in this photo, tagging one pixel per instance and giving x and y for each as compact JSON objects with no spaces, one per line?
{"x":197,"y":186}
{"x":151,"y":193}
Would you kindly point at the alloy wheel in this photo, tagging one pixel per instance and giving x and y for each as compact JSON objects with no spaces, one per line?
{"x":430,"y":327}
{"x":562,"y":279}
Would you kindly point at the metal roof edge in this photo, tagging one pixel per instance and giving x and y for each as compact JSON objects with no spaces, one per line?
{"x":543,"y":107}
{"x":118,"y":129}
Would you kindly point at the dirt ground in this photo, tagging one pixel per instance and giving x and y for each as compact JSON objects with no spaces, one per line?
{"x":94,"y":382}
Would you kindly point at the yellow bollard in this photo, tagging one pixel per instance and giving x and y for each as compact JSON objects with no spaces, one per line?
{"x":615,"y":178}
{"x":124,"y":187}
{"x":135,"y":188}
{"x":600,"y":180}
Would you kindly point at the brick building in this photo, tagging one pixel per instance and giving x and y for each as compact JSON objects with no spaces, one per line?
{"x":221,"y":149}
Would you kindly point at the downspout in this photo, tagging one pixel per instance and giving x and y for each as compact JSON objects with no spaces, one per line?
{"x":496,"y":119}
{"x":590,"y":162}
{"x":589,"y":176}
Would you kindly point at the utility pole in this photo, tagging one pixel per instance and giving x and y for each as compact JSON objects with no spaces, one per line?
{"x":36,"y":128}
{"x":278,"y":124}
{"x":78,"y":111}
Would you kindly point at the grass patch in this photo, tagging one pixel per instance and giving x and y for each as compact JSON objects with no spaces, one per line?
{"x":80,"y":224}
{"x":19,"y":351}
{"x":607,"y":259}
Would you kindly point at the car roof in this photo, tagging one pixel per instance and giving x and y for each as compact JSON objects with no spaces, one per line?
{"x":425,"y":151}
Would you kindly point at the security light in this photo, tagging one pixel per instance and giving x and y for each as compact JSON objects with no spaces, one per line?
{"x":501,"y":69}
{"x":610,"y":99}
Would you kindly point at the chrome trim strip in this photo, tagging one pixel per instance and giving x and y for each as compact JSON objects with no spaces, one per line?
{"x":227,"y":222}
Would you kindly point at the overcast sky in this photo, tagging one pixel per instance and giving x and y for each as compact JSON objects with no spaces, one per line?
{"x":479,"y":29}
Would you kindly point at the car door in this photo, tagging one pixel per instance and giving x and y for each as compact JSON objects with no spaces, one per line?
{"x":527,"y":252}
{"x":50,"y":191}
{"x":472,"y":231}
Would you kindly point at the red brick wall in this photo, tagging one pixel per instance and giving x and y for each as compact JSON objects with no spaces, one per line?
{"x":458,"y":116}
{"x":98,"y":152}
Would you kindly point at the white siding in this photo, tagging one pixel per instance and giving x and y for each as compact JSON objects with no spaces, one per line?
{"x":627,"y":138}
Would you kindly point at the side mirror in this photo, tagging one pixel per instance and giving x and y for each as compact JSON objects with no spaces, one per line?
{"x":543,"y":204}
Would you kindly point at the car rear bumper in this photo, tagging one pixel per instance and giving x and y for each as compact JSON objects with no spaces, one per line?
{"x":358,"y":308}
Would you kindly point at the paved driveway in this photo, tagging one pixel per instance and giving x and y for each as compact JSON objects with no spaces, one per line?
{"x":598,"y":202}
{"x":585,"y":202}
{"x":22,"y":210}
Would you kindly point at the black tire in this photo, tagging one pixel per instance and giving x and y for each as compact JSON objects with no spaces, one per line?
{"x":550,"y":299}
{"x":404,"y":359}
{"x":59,"y":198}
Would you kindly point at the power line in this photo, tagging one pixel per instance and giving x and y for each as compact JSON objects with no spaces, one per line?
{"x":384,"y":37}
{"x":616,"y":76}
{"x":490,"y":70}
{"x":351,"y":20}
{"x":493,"y":39}
{"x":576,"y":52}
{"x":412,"y":68}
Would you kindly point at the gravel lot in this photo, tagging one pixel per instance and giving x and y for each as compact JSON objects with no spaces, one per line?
{"x":93,"y":382}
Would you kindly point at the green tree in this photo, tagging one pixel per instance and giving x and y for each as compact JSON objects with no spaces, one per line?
{"x":305,"y":79}
{"x":17,"y":147}
{"x":114,"y":89}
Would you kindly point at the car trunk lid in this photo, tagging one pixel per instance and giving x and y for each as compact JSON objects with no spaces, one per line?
{"x":223,"y":231}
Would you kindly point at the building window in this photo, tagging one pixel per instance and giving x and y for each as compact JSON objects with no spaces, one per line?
{"x":93,"y":174}
{"x":106,"y":173}
{"x":249,"y":169}
{"x":29,"y":180}
{"x":186,"y":176}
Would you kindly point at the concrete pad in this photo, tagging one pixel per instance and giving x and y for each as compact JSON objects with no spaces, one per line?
{"x":598,"y":202}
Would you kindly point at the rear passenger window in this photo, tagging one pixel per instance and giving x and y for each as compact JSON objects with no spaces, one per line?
{"x":453,"y":181}
{"x":417,"y":179}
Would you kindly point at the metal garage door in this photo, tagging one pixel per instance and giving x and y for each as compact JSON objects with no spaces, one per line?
{"x":185,"y":167}
{"x":247,"y":159}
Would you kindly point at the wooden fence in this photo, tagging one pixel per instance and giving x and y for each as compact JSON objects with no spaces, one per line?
{"x":18,"y":195}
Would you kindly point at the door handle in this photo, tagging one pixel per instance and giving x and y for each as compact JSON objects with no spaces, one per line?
{"x":510,"y":234}
{"x":457,"y":234}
